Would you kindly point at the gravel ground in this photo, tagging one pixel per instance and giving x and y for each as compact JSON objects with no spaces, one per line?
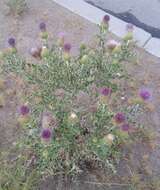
{"x":58,"y":19}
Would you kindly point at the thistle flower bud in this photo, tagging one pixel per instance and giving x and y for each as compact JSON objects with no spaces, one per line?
{"x":128,"y":36}
{"x":82,"y":46}
{"x":117,"y":49}
{"x":44,"y":52}
{"x":22,"y":120}
{"x":66,"y":56}
{"x":84,"y":59}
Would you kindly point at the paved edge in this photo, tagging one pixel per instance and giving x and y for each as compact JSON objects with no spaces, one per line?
{"x":153,"y":46}
{"x":117,"y":26}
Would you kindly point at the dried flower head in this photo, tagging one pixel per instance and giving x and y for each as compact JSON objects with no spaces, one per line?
{"x":109,"y":139}
{"x":35,"y":51}
{"x":24,"y":110}
{"x":145,"y":94}
{"x":93,"y":89}
{"x":12,"y":42}
{"x":111,"y":44}
{"x":42,"y":27}
{"x":73,"y":115}
{"x":93,"y":108}
{"x":119,"y":118}
{"x":59,"y":93}
{"x":49,"y":120}
{"x":83,"y":99}
{"x":73,"y":118}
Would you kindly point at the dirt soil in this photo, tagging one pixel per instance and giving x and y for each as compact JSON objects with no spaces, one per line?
{"x":146,"y":73}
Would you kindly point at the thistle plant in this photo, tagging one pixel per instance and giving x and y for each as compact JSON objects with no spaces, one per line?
{"x":70,"y":118}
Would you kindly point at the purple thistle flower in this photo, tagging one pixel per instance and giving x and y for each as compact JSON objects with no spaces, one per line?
{"x":106,"y":19}
{"x":61,"y":35}
{"x":24,"y":110}
{"x":42,"y":27}
{"x":145,"y":94}
{"x":67,"y":47}
{"x":119,"y":117}
{"x":12,"y":42}
{"x":129,"y":27}
{"x":46,"y":134}
{"x":105,"y":91}
{"x":125,"y":127}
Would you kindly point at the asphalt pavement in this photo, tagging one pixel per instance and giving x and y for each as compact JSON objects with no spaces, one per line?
{"x":142,"y":13}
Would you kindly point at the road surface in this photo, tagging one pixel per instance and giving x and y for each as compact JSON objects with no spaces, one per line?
{"x":142,"y":13}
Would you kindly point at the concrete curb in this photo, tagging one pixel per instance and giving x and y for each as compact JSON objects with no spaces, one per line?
{"x":153,"y":46}
{"x":117,"y":26}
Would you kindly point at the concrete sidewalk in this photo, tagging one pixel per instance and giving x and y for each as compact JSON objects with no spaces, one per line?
{"x":91,"y":12}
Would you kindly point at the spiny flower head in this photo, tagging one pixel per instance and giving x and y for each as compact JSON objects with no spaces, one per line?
{"x":67,"y":47}
{"x":46,"y":134}
{"x":145,"y":94}
{"x":119,"y":117}
{"x":42,"y":27}
{"x":105,"y":91}
{"x":24,"y":110}
{"x":12,"y":42}
{"x":106,"y":19}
